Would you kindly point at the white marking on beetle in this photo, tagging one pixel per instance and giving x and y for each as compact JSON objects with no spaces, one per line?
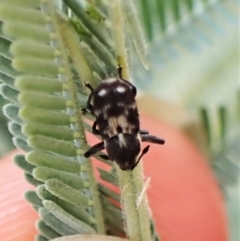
{"x":114,"y":122}
{"x":102,"y":92}
{"x":120,"y":104}
{"x":120,"y":89}
{"x":121,"y":139}
{"x":109,"y":133}
{"x":123,"y":121}
{"x":130,"y":129}
{"x":97,"y":112}
{"x":133,"y":106}
{"x":139,"y":137}
{"x":110,"y":80}
{"x":103,"y":111}
{"x":106,"y":107}
{"x":105,"y":143}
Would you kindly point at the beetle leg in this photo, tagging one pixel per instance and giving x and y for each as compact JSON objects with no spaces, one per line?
{"x":94,"y":128}
{"x":152,"y":139}
{"x":143,"y":132}
{"x":89,"y":105}
{"x":94,"y":149}
{"x":105,"y":157}
{"x":84,"y":110}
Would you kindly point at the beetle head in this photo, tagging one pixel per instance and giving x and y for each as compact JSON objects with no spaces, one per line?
{"x":124,"y":149}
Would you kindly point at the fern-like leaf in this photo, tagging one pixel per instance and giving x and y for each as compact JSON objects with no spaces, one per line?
{"x":42,"y":64}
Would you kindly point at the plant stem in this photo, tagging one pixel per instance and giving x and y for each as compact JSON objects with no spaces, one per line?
{"x":137,"y":219}
{"x":118,"y":36}
{"x":69,"y":92}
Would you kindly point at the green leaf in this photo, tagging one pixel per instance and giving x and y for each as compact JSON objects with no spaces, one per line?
{"x":21,"y":162}
{"x":67,"y":193}
{"x":91,"y":238}
{"x":26,"y":31}
{"x":56,"y":224}
{"x":81,"y":227}
{"x":32,"y":197}
{"x":75,"y":211}
{"x":38,"y":83}
{"x":46,"y":231}
{"x":51,"y":53}
{"x":73,"y":180}
{"x":57,"y":162}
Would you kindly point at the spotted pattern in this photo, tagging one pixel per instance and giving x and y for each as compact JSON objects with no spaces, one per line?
{"x":110,"y":80}
{"x":120,"y":89}
{"x":115,"y":108}
{"x":102,"y":92}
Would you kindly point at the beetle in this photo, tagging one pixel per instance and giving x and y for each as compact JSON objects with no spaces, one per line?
{"x":117,"y":122}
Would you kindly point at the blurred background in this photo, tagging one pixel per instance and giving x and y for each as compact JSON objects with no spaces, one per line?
{"x":193,"y":78}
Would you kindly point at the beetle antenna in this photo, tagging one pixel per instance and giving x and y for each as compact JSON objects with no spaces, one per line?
{"x":144,"y":151}
{"x":120,"y":72}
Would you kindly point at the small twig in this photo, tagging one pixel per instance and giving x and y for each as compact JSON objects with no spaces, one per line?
{"x":144,"y":189}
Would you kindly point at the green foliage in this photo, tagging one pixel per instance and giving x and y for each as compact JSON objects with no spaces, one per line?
{"x":46,"y":57}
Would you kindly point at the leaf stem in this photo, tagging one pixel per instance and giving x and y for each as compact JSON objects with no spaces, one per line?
{"x":137,"y":219}
{"x":69,"y":91}
{"x":118,"y":36}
